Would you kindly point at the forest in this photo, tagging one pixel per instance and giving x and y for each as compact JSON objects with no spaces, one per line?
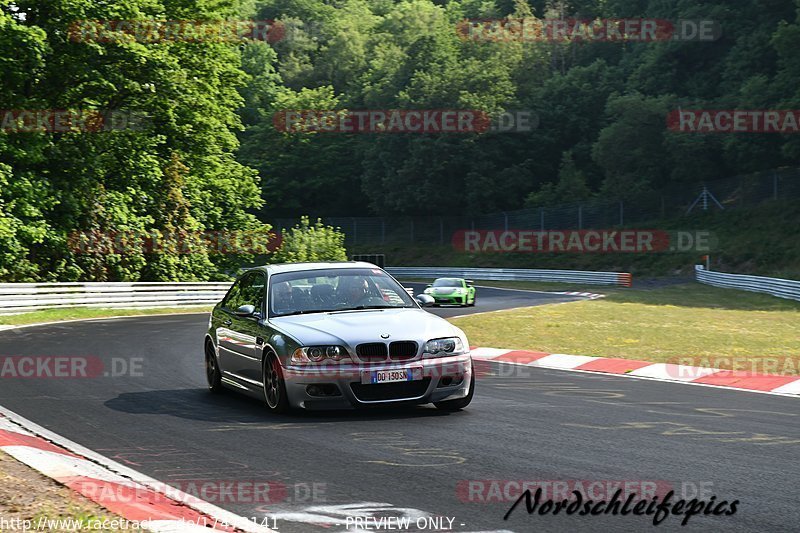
{"x":209,"y":158}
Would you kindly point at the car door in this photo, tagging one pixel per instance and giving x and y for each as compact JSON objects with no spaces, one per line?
{"x":226,"y":342}
{"x":239,"y":341}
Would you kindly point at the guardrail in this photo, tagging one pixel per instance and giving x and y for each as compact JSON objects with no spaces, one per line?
{"x":22,"y":297}
{"x":515,"y":274}
{"x":782,"y":288}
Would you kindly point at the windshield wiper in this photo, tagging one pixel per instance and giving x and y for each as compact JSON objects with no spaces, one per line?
{"x":364,"y":308}
{"x":307,"y":312}
{"x":357,"y":308}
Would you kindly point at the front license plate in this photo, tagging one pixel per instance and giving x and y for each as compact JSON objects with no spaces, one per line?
{"x":389,"y":376}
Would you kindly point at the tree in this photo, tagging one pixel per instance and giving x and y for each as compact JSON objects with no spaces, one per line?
{"x":571,"y":186}
{"x":307,"y":242}
{"x":62,"y":184}
{"x":631,"y":149}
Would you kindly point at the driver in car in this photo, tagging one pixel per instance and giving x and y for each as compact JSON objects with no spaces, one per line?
{"x":282,"y":300}
{"x":354,"y":291}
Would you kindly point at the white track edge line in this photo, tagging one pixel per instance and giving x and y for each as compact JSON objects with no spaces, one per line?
{"x":183,"y":498}
{"x":609,"y":374}
{"x":559,"y":293}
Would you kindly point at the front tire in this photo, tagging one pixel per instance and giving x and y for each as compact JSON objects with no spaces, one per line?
{"x":474,"y":299}
{"x":213,"y":373}
{"x":460,"y":403}
{"x":274,"y":386}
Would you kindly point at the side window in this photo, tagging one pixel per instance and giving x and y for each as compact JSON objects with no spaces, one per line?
{"x":249,"y":290}
{"x":234,"y":295}
{"x":253,"y":291}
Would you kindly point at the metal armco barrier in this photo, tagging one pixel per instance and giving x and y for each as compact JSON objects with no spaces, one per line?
{"x":782,"y":288}
{"x":515,"y":274}
{"x":22,"y":297}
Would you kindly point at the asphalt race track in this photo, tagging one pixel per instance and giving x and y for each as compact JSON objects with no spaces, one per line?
{"x":525,"y":424}
{"x":491,"y":299}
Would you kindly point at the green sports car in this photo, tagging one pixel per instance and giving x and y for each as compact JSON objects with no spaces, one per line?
{"x":456,"y":291}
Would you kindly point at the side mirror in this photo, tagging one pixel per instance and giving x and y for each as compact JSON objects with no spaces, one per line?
{"x":245,"y":311}
{"x":469,"y":282}
{"x":429,"y":285}
{"x":424,"y":300}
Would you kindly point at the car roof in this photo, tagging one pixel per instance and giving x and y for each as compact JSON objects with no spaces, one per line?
{"x":300,"y":267}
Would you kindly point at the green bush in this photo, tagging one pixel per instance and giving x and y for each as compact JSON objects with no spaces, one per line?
{"x":306,"y":242}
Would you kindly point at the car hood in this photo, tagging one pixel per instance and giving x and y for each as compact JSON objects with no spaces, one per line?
{"x":445,"y":290}
{"x":355,"y":327}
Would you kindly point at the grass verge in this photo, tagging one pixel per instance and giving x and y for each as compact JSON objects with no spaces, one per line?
{"x":27,"y":495}
{"x":688,"y":323}
{"x":80,"y":313}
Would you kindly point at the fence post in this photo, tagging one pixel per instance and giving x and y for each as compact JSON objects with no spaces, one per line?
{"x":621,"y":213}
{"x":541,"y":218}
{"x":580,"y":217}
{"x":505,"y":220}
{"x":355,"y":230}
{"x":774,"y":184}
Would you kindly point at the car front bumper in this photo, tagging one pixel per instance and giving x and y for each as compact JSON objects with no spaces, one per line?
{"x":452,"y":298}
{"x":436,"y":379}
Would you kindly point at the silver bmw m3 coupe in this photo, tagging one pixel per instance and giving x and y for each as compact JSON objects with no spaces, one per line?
{"x":333,"y":336}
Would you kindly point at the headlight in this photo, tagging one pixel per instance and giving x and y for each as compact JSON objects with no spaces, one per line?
{"x":444,"y":347}
{"x":317,"y":354}
{"x":335,"y":352}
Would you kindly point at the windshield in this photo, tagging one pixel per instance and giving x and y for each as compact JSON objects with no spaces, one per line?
{"x":329,"y":290}
{"x":447,"y":282}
